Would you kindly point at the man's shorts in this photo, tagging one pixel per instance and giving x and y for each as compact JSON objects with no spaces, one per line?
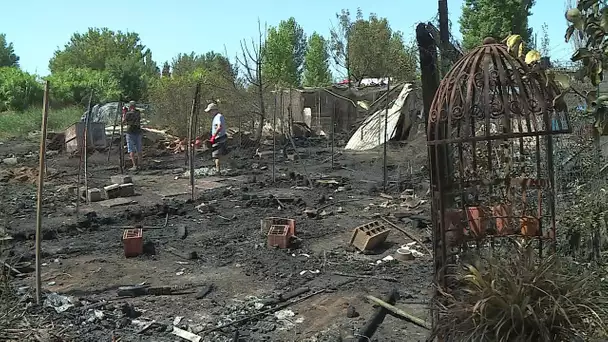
{"x":218,"y":148}
{"x":134,"y":142}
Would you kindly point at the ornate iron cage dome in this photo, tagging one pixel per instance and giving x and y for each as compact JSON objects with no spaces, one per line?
{"x":490,"y":143}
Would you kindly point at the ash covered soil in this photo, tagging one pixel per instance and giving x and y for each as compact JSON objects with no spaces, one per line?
{"x":210,"y":252}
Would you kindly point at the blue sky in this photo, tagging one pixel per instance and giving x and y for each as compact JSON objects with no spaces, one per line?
{"x":38,"y":27}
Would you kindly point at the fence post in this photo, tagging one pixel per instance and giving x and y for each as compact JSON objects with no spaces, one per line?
{"x":384,"y":162}
{"x":274,"y":137}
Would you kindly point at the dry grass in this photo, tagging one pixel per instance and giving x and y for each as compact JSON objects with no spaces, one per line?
{"x":519,"y":298}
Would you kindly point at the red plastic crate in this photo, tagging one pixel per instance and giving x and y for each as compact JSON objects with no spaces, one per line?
{"x":133,"y":242}
{"x":278,"y":236}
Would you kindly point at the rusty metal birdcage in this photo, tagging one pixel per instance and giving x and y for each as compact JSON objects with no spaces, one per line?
{"x":490,"y":145}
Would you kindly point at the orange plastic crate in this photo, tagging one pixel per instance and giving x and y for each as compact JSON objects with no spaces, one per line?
{"x":133,"y":242}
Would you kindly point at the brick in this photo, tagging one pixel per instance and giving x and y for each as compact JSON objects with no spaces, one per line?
{"x":278,"y":236}
{"x":268,"y":222}
{"x":121,"y":179}
{"x":112,"y":191}
{"x":132,"y":240}
{"x":369,"y":236}
{"x":94,"y":195}
{"x":127,"y":190}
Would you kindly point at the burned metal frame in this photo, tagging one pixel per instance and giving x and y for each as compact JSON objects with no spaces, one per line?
{"x":490,"y":140}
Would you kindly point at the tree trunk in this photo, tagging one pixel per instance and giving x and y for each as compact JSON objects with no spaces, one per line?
{"x":428,"y":68}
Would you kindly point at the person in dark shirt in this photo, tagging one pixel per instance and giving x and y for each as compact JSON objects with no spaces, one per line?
{"x":132,"y":118}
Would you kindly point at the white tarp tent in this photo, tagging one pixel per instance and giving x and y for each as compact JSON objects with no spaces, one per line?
{"x":370,"y":134}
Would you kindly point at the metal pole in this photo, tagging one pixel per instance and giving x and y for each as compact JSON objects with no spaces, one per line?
{"x":86,"y":147}
{"x":384,"y":166}
{"x":42,"y":161}
{"x":274,"y":138}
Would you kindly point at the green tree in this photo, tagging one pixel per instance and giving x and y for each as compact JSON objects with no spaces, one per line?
{"x":370,"y":48}
{"x":121,"y":54}
{"x":18,"y":89}
{"x":284,"y":53}
{"x":316,"y":63}
{"x":338,"y":43}
{"x":497,"y":19}
{"x":166,"y":70}
{"x":186,"y":64}
{"x":545,"y":42}
{"x":589,"y":21}
{"x":73,"y":86}
{"x":8,"y":58}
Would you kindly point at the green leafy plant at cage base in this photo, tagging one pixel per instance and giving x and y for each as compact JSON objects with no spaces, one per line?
{"x":519,"y":297}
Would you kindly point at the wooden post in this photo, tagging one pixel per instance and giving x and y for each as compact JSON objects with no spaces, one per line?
{"x":274,"y":138}
{"x":118,"y":112}
{"x":122,"y":144}
{"x":384,"y":162}
{"x":444,"y":36}
{"x":42,"y":159}
{"x":333,"y":132}
{"x":86,"y":147}
{"x":428,"y":68}
{"x":190,"y":133}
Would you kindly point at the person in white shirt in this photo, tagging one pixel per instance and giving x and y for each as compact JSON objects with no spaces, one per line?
{"x":218,"y":138}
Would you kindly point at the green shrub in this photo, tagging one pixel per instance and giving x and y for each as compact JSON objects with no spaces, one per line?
{"x":18,"y":89}
{"x":516,"y":297}
{"x":18,"y":124}
{"x":73,"y":86}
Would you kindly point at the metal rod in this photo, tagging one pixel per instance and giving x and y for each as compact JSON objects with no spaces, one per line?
{"x":42,"y":160}
{"x":86,"y":147}
{"x":384,"y":162}
{"x":274,"y":138}
{"x":114,"y":129}
{"x":122,"y":144}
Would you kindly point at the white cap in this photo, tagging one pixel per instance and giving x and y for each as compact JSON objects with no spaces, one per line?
{"x":210,"y":107}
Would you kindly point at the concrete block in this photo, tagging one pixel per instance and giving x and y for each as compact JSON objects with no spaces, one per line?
{"x":10,"y":161}
{"x":94,"y":195}
{"x":369,"y":236}
{"x":127,"y":190}
{"x":121,"y":179}
{"x":112,"y":191}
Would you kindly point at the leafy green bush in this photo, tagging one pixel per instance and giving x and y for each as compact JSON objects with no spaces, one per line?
{"x":18,"y":89}
{"x":517,"y":297}
{"x":73,"y":86}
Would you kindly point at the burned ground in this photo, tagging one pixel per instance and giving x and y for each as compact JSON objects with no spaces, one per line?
{"x":217,"y":248}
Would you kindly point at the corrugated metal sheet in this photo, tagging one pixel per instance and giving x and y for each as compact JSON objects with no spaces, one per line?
{"x":370,"y":134}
